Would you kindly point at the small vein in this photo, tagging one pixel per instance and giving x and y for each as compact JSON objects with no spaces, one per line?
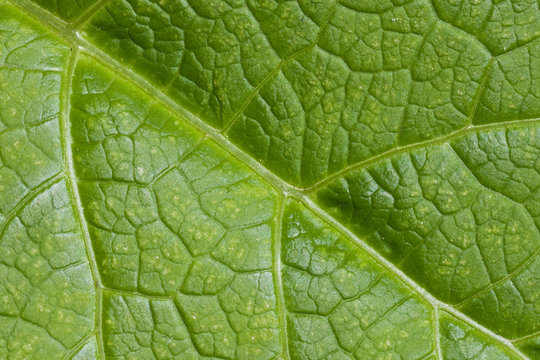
{"x":88,"y":14}
{"x":44,"y":328}
{"x":495,"y":54}
{"x":389,"y":311}
{"x":480,"y":91}
{"x":192,"y":340}
{"x":78,"y":347}
{"x":526,"y":337}
{"x":134,"y":293}
{"x":409,"y":92}
{"x":527,"y":260}
{"x":282,"y":63}
{"x":458,"y":28}
{"x":179,"y":161}
{"x":489,"y":188}
{"x":27,"y":199}
{"x":524,"y":45}
{"x":403,"y":278}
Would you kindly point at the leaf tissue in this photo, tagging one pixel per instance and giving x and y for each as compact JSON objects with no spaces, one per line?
{"x":270,"y":179}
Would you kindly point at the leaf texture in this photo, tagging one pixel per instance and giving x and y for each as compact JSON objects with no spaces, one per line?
{"x":305,"y":179}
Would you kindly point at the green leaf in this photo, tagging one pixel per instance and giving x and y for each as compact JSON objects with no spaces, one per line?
{"x":276,"y":179}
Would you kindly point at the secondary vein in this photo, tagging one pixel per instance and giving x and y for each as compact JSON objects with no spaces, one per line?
{"x":65,"y":138}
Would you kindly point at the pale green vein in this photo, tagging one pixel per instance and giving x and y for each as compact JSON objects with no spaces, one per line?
{"x":419,"y":145}
{"x":282,"y":63}
{"x":175,"y":164}
{"x":27,"y":199}
{"x":409,"y":91}
{"x":75,"y":349}
{"x":133,"y":293}
{"x":437,"y":332}
{"x":525,"y":338}
{"x":65,"y":138}
{"x":480,"y":91}
{"x":276,"y":269}
{"x":87,"y":15}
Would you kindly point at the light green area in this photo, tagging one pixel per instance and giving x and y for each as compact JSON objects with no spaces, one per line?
{"x":459,"y":341}
{"x":46,"y":287}
{"x":340,"y":303}
{"x":443,"y":218}
{"x":47,"y":296}
{"x":31,"y":65}
{"x":172,"y":219}
{"x":401,"y":222}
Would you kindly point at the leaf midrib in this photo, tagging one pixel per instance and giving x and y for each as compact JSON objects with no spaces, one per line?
{"x":72,"y":37}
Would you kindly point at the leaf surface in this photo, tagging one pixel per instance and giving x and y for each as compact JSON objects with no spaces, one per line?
{"x":269,"y":179}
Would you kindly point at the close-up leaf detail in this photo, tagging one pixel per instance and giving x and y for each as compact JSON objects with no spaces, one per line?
{"x":270,"y":179}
